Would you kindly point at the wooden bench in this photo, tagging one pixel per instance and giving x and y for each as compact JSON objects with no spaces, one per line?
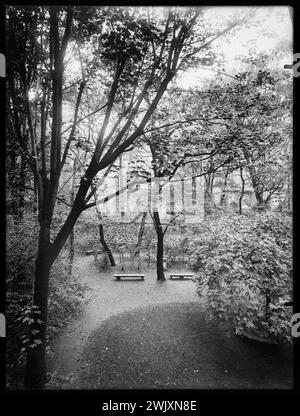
{"x":133,"y":276}
{"x":181,"y":276}
{"x":90,"y":252}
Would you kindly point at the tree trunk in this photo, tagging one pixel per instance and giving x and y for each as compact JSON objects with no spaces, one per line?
{"x":72,"y":234}
{"x":212,"y":184}
{"x":255,"y":184}
{"x":22,"y":187}
{"x":139,"y":240}
{"x":242,"y":191}
{"x":160,"y":247}
{"x":224,"y":188}
{"x":11,"y":164}
{"x":267,"y":308}
{"x":149,"y":257}
{"x":71,"y":252}
{"x":140,"y":236}
{"x":258,"y":196}
{"x":105,"y":246}
{"x":35,"y":374}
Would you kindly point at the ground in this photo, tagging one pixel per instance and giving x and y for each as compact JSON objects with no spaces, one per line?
{"x":155,"y":335}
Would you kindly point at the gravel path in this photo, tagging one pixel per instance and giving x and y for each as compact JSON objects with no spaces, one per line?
{"x":108,"y":298}
{"x":149,"y":335}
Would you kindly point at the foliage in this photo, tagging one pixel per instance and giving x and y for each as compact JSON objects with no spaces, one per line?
{"x":20,"y":252}
{"x":255,"y":109}
{"x":102,"y":262}
{"x":176,"y":245}
{"x":65,"y":299}
{"x":127,"y":59}
{"x":242,"y":260}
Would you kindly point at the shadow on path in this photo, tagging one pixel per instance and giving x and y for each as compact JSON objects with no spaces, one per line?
{"x":174,"y":346}
{"x":148,"y":335}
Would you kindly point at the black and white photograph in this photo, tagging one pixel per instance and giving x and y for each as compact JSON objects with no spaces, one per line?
{"x":149,"y":199}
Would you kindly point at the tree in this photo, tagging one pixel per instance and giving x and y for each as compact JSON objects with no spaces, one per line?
{"x":38,"y":39}
{"x":255,"y":107}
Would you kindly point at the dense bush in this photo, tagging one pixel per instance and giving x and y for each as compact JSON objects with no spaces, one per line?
{"x":102,"y":262}
{"x":65,"y":295}
{"x":20,"y":252}
{"x":175,"y":246}
{"x":244,"y":270}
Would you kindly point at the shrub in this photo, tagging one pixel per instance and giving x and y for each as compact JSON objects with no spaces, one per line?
{"x":244,"y":270}
{"x":102,"y":262}
{"x":65,"y":295}
{"x":20,"y":252}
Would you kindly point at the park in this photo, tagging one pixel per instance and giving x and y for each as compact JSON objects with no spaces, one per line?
{"x":149,"y":197}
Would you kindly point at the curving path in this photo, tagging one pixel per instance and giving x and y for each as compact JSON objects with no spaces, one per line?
{"x":149,"y":335}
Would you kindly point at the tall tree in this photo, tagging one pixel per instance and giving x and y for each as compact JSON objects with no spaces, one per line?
{"x":38,"y":39}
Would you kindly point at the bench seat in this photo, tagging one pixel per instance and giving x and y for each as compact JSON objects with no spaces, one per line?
{"x":129,"y":276}
{"x":181,"y":276}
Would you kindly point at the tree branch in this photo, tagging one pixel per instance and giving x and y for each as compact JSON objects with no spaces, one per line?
{"x":71,"y":136}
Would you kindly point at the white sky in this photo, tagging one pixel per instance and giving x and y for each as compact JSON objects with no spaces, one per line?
{"x":273,"y":26}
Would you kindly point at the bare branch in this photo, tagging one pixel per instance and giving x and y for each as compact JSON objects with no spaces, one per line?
{"x":168,"y":225}
{"x":71,"y":136}
{"x":83,"y":118}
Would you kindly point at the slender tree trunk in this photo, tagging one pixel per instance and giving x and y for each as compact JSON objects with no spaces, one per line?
{"x":101,"y":232}
{"x":208,"y":201}
{"x":35,"y":374}
{"x":13,"y":190}
{"x":139,"y":240}
{"x":16,"y":184}
{"x":72,"y":234}
{"x":255,"y":184}
{"x":258,"y":196}
{"x":267,"y":308}
{"x":212,"y":184}
{"x":160,"y":247}
{"x":71,"y":252}
{"x":105,"y":246}
{"x":224,"y":188}
{"x":22,"y":187}
{"x":149,"y":257}
{"x":140,"y":236}
{"x":122,"y":259}
{"x":242,"y":191}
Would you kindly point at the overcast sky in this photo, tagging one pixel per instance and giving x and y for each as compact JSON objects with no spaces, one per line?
{"x":271,"y":27}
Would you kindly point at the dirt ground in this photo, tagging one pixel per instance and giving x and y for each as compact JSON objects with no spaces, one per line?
{"x":155,"y":335}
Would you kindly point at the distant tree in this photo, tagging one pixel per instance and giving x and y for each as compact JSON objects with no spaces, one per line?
{"x":256,"y":112}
